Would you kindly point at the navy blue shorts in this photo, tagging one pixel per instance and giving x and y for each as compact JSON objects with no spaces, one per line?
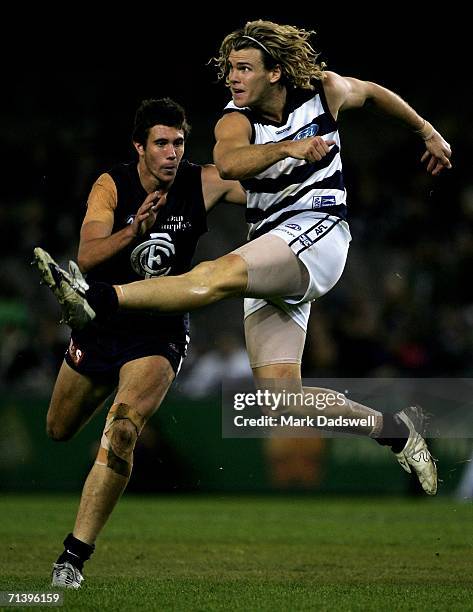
{"x":101,"y":354}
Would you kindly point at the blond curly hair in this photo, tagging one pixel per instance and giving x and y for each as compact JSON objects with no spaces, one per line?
{"x":283,"y":45}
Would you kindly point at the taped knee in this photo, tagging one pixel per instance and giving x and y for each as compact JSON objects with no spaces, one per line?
{"x":122,"y":428}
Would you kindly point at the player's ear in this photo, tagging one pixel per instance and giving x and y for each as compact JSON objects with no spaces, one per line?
{"x":139,"y":148}
{"x":275,"y":74}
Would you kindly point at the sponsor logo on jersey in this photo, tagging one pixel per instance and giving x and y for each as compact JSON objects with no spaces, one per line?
{"x":176,"y":222}
{"x":307,"y":132}
{"x":153,"y":257}
{"x":320,"y":201}
{"x":282,"y":229}
{"x":173,"y":222}
{"x":294,"y":226}
{"x":284,"y":130}
{"x":305,"y":240}
{"x":320,"y":229}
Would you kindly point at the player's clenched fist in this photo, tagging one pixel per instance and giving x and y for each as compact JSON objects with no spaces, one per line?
{"x":311,"y":149}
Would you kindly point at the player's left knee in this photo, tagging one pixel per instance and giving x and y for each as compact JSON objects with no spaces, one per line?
{"x":123,"y":436}
{"x":223,"y":277}
{"x":123,"y":426}
{"x":232,"y":275}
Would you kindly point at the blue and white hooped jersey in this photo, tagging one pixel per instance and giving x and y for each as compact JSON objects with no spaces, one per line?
{"x":293,"y":185}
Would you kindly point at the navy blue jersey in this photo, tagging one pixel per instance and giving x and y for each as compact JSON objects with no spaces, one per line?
{"x":167,"y":248}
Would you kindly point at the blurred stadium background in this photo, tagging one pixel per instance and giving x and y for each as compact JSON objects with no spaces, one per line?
{"x":404,"y":306}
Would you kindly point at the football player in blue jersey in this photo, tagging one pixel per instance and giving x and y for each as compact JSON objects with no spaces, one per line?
{"x":143,"y":219}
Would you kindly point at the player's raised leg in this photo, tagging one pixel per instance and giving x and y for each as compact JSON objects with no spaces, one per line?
{"x":205,"y":284}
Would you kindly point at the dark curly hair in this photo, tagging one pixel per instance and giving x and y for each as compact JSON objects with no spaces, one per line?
{"x":163,"y":111}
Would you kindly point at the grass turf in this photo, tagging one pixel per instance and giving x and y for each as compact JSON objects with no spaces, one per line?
{"x":251,"y":553}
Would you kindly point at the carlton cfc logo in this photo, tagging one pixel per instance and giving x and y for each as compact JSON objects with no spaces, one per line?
{"x":153,"y":257}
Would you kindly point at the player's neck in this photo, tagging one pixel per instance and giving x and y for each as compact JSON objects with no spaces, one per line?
{"x":149,"y":182}
{"x":272,"y":107}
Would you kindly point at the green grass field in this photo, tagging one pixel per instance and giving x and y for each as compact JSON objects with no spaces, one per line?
{"x":251,"y":553}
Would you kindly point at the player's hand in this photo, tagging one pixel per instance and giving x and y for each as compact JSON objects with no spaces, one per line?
{"x":311,"y":149}
{"x":146,"y":215}
{"x":437,"y":155}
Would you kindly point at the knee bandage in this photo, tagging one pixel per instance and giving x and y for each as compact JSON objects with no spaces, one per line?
{"x":116,"y":452}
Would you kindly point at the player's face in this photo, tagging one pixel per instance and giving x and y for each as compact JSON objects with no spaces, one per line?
{"x":163,"y":152}
{"x":248,"y":79}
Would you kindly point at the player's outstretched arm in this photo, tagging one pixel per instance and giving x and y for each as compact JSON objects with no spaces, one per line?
{"x":347,"y":92}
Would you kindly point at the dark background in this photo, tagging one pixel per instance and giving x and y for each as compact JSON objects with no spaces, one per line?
{"x":71,"y":85}
{"x":71,"y":82}
{"x":70,"y":90}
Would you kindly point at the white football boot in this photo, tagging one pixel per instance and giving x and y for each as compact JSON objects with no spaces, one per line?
{"x":68,"y":287}
{"x":415,"y":454}
{"x":66,"y":576}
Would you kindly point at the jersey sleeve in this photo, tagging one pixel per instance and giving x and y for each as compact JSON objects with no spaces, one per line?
{"x":102,"y":200}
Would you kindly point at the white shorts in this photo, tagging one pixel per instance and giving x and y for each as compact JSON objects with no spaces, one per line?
{"x":320,"y":242}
